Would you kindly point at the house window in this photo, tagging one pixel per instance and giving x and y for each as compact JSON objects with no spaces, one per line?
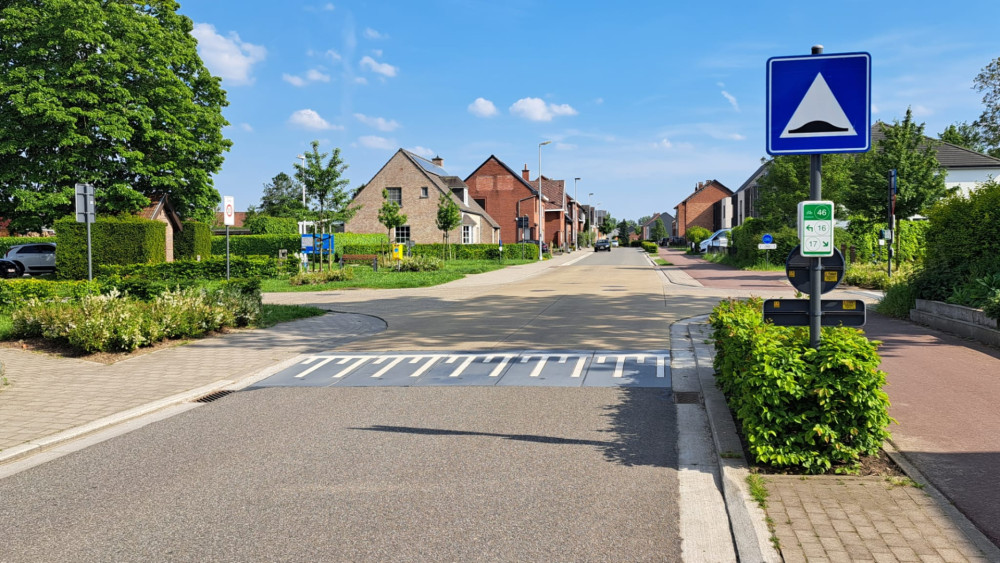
{"x":466,"y":234}
{"x":402,"y":234}
{"x":395,"y":194}
{"x":423,"y":192}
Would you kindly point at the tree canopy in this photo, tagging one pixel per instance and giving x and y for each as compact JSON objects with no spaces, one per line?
{"x":282,"y":197}
{"x":325,"y":183}
{"x":964,"y":135}
{"x":111,"y":93}
{"x":389,"y":214}
{"x":987,"y":82}
{"x":786,"y":183}
{"x":659,"y":230}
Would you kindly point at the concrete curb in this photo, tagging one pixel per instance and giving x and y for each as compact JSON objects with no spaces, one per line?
{"x":748,"y":522}
{"x":984,"y":545}
{"x":48,"y":442}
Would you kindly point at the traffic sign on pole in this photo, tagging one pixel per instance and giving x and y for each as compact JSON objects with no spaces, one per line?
{"x":819,"y":104}
{"x":816,"y":228}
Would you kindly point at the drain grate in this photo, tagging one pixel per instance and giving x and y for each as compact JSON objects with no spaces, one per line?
{"x":687,"y":397}
{"x":214,"y":396}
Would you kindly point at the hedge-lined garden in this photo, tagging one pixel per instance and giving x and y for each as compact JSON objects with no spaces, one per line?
{"x":798,"y":407}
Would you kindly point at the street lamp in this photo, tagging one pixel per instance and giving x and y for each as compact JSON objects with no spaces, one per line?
{"x":303,"y":159}
{"x":590,"y":214}
{"x":541,"y":218}
{"x":576,"y":217}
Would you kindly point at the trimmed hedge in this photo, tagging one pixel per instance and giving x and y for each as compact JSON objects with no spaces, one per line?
{"x":251,"y":267}
{"x":195,"y":239}
{"x":17,"y":291}
{"x":114,"y":240}
{"x":457,"y":251}
{"x":267,"y":225}
{"x":797,"y":406}
{"x":7,"y":242}
{"x":269,"y":245}
{"x":650,"y":247}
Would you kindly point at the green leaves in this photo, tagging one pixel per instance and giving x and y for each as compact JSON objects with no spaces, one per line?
{"x":798,"y":406}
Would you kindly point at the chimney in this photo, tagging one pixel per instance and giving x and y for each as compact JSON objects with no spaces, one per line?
{"x":437,"y":161}
{"x":525,"y":173}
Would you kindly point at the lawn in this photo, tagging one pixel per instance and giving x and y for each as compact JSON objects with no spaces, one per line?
{"x":385,"y":278}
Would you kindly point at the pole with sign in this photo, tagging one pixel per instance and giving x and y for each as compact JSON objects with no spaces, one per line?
{"x":229,"y":218}
{"x":893,"y":189}
{"x":86,"y":212}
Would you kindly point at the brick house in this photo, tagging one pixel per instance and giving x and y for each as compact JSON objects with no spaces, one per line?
{"x":557,"y":228}
{"x":159,"y":209}
{"x":416,"y":184}
{"x":507,"y":195}
{"x":707,"y":207}
{"x":647,"y":227}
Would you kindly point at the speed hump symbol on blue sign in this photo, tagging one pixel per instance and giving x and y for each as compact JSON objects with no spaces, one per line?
{"x":767,"y":239}
{"x":819,"y":104}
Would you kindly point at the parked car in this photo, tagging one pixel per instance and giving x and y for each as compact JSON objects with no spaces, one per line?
{"x":34,"y":258}
{"x":602,"y":244}
{"x":614,"y":242}
{"x":545,"y":245}
{"x":9,"y":269}
{"x":719,"y":239}
{"x":676,"y":241}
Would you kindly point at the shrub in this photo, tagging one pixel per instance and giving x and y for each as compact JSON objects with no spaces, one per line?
{"x":212,"y":268}
{"x":316,"y":278}
{"x":900,"y":296}
{"x":121,"y":239}
{"x":18,"y":291}
{"x":416,"y":263}
{"x":650,"y":247}
{"x":745,"y":238}
{"x":697,"y":234}
{"x":798,"y":406}
{"x":194,"y":240}
{"x":266,"y":225}
{"x":992,"y":306}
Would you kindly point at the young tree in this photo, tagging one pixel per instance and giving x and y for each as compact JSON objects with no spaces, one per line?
{"x":448,"y":217}
{"x":988,"y":83}
{"x":108,"y":93}
{"x":919,"y":175}
{"x":607,"y":225}
{"x":389,"y":215}
{"x":282,"y":197}
{"x":325,"y":183}
{"x":659,"y":230}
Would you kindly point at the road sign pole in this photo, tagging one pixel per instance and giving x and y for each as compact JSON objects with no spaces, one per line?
{"x":816,"y":285}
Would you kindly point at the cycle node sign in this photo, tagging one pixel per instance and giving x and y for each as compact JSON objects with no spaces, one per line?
{"x":816,"y":228}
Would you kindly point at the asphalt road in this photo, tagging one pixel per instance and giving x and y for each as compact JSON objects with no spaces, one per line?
{"x":443,"y":473}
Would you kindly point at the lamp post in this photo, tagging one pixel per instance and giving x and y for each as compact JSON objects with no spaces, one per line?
{"x":541,"y":218}
{"x":303,"y":159}
{"x":590,"y":214}
{"x":576,"y":217}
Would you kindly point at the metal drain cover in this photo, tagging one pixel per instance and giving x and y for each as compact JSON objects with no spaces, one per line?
{"x":687,"y":398}
{"x":214,"y":396}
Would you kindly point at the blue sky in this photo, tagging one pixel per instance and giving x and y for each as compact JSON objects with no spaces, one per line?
{"x":642,"y":100}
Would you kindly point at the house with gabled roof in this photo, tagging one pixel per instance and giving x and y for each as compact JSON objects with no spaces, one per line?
{"x":416,"y":184}
{"x":647,"y":227}
{"x":709,"y":207}
{"x":509,"y":198}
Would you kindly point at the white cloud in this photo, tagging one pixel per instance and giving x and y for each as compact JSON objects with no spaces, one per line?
{"x":384,"y":69}
{"x":227,"y":57}
{"x":599,"y":101}
{"x":535,"y":109}
{"x":332,"y":55}
{"x":314,"y":75}
{"x":246,"y":127}
{"x":309,"y":119}
{"x":922,"y":111}
{"x":376,"y":142}
{"x":482,"y":108}
{"x":422,"y":151}
{"x":372,"y":34}
{"x":565,"y":146}
{"x":360,"y":80}
{"x":732,"y":100}
{"x":379,"y":123}
{"x":329,"y":7}
{"x":293,"y":80}
{"x":377,"y":52}
{"x":734,"y":137}
{"x":663,"y":144}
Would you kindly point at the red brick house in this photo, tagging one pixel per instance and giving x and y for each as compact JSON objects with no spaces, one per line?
{"x":507,"y":195}
{"x":701,"y":208}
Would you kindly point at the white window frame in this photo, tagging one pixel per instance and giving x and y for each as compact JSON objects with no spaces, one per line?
{"x":466,"y":234}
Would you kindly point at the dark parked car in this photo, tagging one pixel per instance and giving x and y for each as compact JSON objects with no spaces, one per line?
{"x":676,"y":241}
{"x":36,"y":258}
{"x":602,"y":244}
{"x":9,"y":269}
{"x":545,"y":245}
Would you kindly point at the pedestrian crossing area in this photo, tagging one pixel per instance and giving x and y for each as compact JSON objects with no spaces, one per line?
{"x":566,"y":368}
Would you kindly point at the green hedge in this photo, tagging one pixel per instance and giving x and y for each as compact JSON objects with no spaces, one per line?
{"x":797,"y":406}
{"x":114,"y":240}
{"x":745,"y":238}
{"x":267,"y":225}
{"x":269,"y":245}
{"x":7,"y":242}
{"x":911,"y":234}
{"x":650,"y":247}
{"x":251,"y":267}
{"x":195,"y":239}
{"x":457,"y":251}
{"x":16,"y":291}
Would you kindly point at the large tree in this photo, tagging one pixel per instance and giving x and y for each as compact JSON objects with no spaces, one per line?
{"x":786,"y":183}
{"x":987,"y":82}
{"x":964,"y":135}
{"x":282,"y":197}
{"x":111,"y":93}
{"x":325,"y":183}
{"x":919,"y":175}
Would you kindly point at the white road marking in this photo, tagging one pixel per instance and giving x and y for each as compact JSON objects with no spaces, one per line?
{"x":314,"y":368}
{"x":562,"y":359}
{"x":619,"y":367}
{"x":415,"y":359}
{"x":539,"y":366}
{"x":462,"y":367}
{"x":350,"y":368}
{"x":503,"y":363}
{"x":426,"y":366}
{"x":310,"y":360}
{"x":451,"y":359}
{"x":640,"y":359}
{"x":600,"y":359}
{"x":388,"y":367}
{"x":380,"y":359}
{"x":660,"y":370}
{"x":578,"y":370}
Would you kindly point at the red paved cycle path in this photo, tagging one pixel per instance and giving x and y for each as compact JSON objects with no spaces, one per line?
{"x":944,"y":392}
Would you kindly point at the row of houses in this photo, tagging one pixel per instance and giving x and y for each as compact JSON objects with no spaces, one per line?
{"x":496,"y":203}
{"x":714,"y":206}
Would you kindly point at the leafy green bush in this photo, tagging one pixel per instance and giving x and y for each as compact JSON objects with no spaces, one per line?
{"x":911,"y":235}
{"x":266,"y":225}
{"x":991,"y":308}
{"x":212,"y":268}
{"x":121,"y":239}
{"x":797,"y":406}
{"x":747,"y":236}
{"x":18,"y":291}
{"x":418,"y":263}
{"x":458,"y":251}
{"x":697,"y":234}
{"x":117,"y":323}
{"x":900,"y":296}
{"x":194,"y":240}
{"x":269,"y":245}
{"x":316,"y":278}
{"x":650,"y":247}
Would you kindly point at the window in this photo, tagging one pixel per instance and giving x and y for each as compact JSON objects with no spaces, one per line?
{"x":402,"y":234}
{"x":395,"y":194}
{"x":466,"y":234}
{"x":423,"y":192}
